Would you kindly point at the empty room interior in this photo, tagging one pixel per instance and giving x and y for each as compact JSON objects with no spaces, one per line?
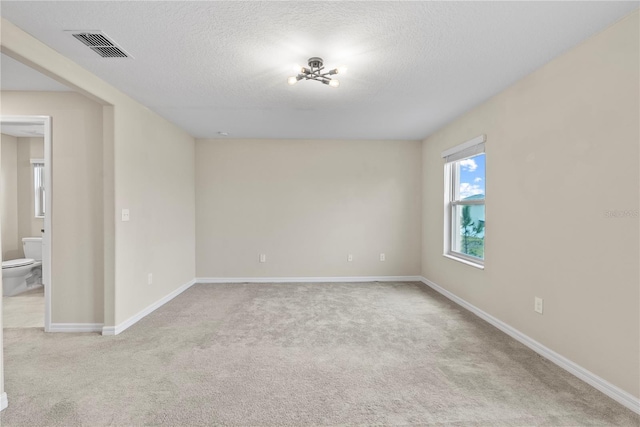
{"x":320,"y":213}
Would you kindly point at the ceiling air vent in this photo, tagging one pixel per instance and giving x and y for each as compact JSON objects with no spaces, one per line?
{"x":100,"y":44}
{"x":109,"y":51}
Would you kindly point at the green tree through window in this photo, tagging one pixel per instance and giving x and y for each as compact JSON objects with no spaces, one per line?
{"x":472,"y":243}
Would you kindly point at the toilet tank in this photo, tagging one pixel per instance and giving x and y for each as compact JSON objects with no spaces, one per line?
{"x":32,"y":247}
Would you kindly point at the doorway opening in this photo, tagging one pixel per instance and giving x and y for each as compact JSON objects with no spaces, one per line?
{"x":34,"y":127}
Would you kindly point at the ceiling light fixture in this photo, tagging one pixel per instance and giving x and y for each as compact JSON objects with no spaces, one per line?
{"x":314,"y":72}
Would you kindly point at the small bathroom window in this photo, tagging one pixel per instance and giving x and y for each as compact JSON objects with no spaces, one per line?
{"x":38,"y":187}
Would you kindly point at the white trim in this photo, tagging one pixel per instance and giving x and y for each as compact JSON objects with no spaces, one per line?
{"x":48,"y":186}
{"x":115,"y":330}
{"x":463,"y":260}
{"x":4,"y":401}
{"x":110,"y":331}
{"x":76,"y":327}
{"x":614,"y":392}
{"x":308,"y":279}
{"x":481,"y":139}
{"x":37,"y":161}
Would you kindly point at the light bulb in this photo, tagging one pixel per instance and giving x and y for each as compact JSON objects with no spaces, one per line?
{"x":292,"y":80}
{"x":334,"y":83}
{"x":342,"y":69}
{"x":298,"y":69}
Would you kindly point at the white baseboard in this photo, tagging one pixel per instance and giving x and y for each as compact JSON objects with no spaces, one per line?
{"x":614,"y":392}
{"x":75,"y":327}
{"x":308,"y":279}
{"x":4,"y":402}
{"x":115,"y":330}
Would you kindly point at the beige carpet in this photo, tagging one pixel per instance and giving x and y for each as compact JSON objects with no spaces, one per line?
{"x":296,"y":354}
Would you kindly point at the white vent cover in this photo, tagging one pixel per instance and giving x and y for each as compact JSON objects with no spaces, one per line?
{"x":100,"y":43}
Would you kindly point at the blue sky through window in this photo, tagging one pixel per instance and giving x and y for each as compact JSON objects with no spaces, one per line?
{"x":472,"y":176}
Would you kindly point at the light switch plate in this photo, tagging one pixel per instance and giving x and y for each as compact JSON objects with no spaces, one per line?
{"x":537,"y":306}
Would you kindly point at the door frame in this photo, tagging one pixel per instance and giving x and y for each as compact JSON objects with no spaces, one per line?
{"x":48,"y":197}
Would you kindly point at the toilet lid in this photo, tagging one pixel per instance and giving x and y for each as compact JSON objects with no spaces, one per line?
{"x":17,"y":262}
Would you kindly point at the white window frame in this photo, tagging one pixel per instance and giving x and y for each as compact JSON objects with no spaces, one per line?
{"x":462,"y":151}
{"x":39,"y":202}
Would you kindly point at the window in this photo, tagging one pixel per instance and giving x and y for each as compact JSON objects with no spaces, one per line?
{"x":464,"y":225}
{"x":38,"y":187}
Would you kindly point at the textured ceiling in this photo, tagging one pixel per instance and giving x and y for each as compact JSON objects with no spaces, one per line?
{"x":15,"y":75}
{"x":223,"y":66}
{"x":29,"y":130}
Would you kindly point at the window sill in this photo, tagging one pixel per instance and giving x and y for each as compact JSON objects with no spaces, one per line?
{"x":464,"y":261}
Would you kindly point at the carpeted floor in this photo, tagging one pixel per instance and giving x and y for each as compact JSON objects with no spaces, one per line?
{"x":296,"y":354}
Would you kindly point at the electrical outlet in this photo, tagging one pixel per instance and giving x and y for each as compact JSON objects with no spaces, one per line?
{"x":263,"y":258}
{"x":537,"y":306}
{"x":125,"y":214}
{"x":350,"y":257}
{"x":383,"y":257}
{"x":149,"y":278}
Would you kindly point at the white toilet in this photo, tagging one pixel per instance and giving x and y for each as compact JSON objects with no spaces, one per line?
{"x":20,"y":274}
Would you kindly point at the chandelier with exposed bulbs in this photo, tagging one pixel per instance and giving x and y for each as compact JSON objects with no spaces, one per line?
{"x":315,"y":72}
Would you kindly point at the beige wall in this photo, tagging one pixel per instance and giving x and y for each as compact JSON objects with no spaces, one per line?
{"x":1,"y":325}
{"x":9,"y":198}
{"x":77,"y":242}
{"x":562,"y":151}
{"x":154,"y":179}
{"x":3,"y":212}
{"x":148,"y":168}
{"x":307,"y":205}
{"x":28,"y":224}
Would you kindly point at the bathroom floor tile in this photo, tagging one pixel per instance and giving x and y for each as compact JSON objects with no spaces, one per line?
{"x":25,"y":310}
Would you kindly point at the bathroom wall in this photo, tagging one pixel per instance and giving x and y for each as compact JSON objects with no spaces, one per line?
{"x":28,"y":224}
{"x":16,"y":193}
{"x":9,"y":197}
